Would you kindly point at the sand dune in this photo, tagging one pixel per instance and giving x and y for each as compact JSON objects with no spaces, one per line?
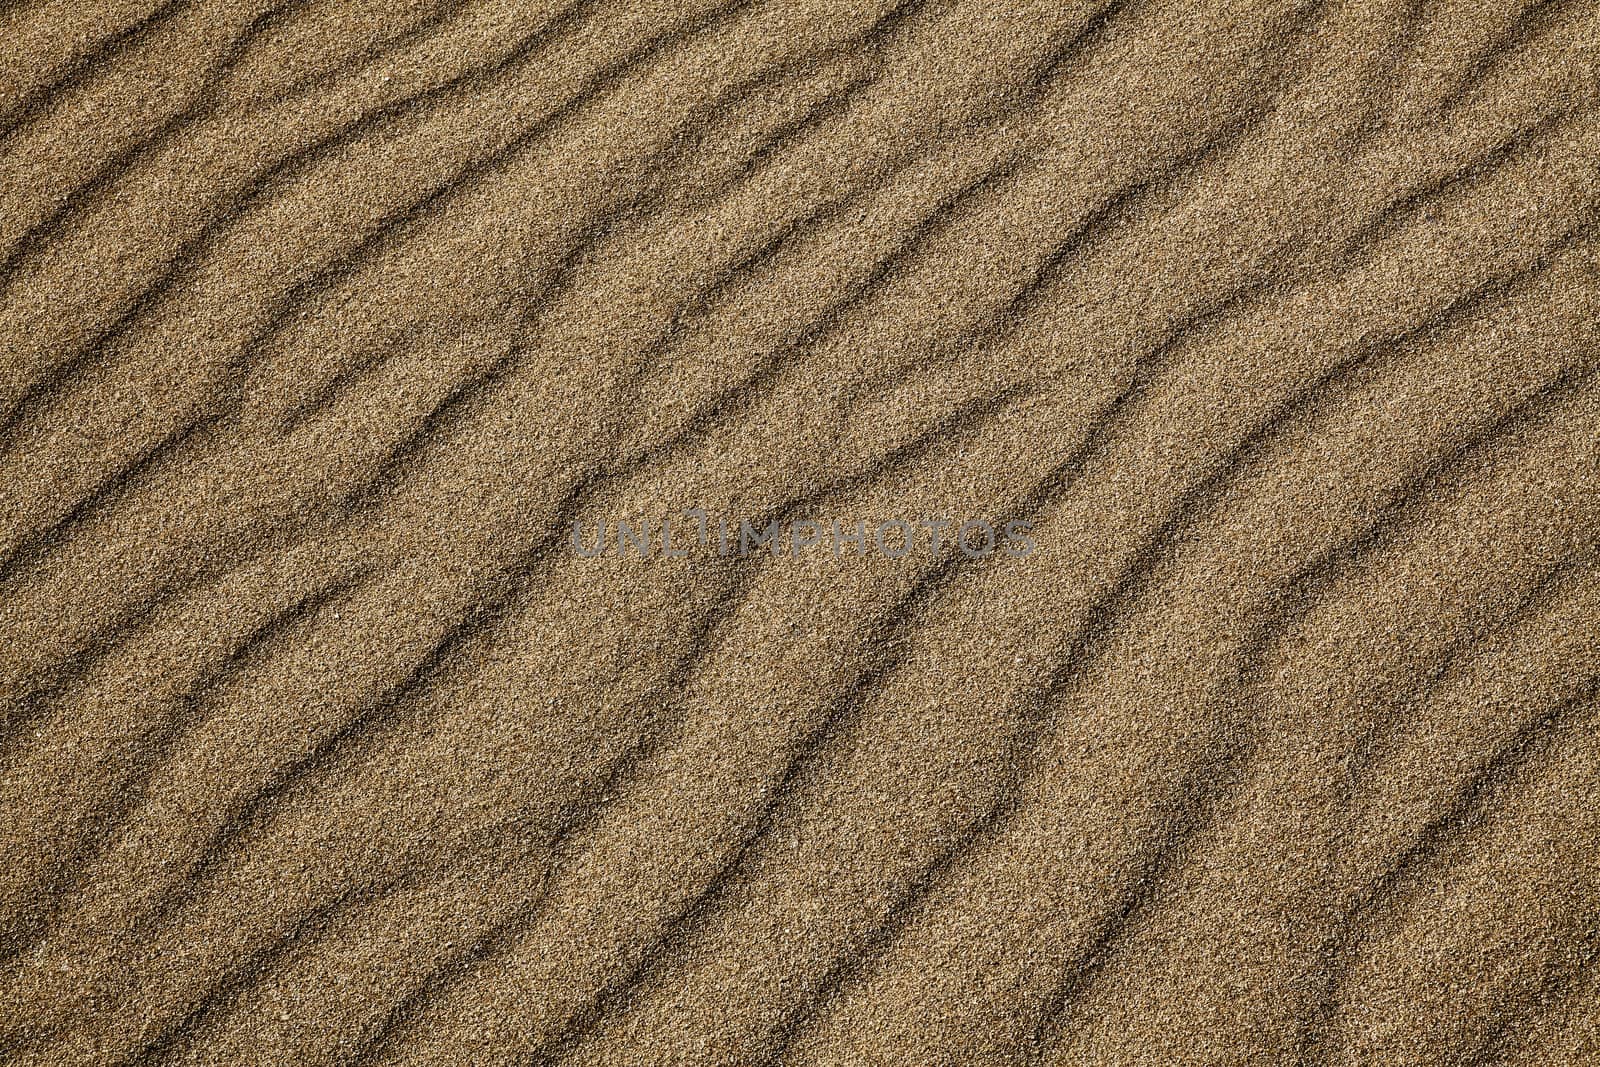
{"x":1261,"y":727}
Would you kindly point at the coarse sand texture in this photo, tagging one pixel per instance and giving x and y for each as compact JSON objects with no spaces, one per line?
{"x":832,"y":533}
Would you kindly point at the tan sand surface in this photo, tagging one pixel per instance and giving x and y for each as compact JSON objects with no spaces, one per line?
{"x":332,"y":332}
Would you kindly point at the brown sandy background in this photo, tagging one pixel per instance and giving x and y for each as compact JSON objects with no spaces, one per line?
{"x":321,"y":322}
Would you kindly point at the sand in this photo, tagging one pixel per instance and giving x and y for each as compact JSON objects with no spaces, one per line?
{"x":333,"y":332}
